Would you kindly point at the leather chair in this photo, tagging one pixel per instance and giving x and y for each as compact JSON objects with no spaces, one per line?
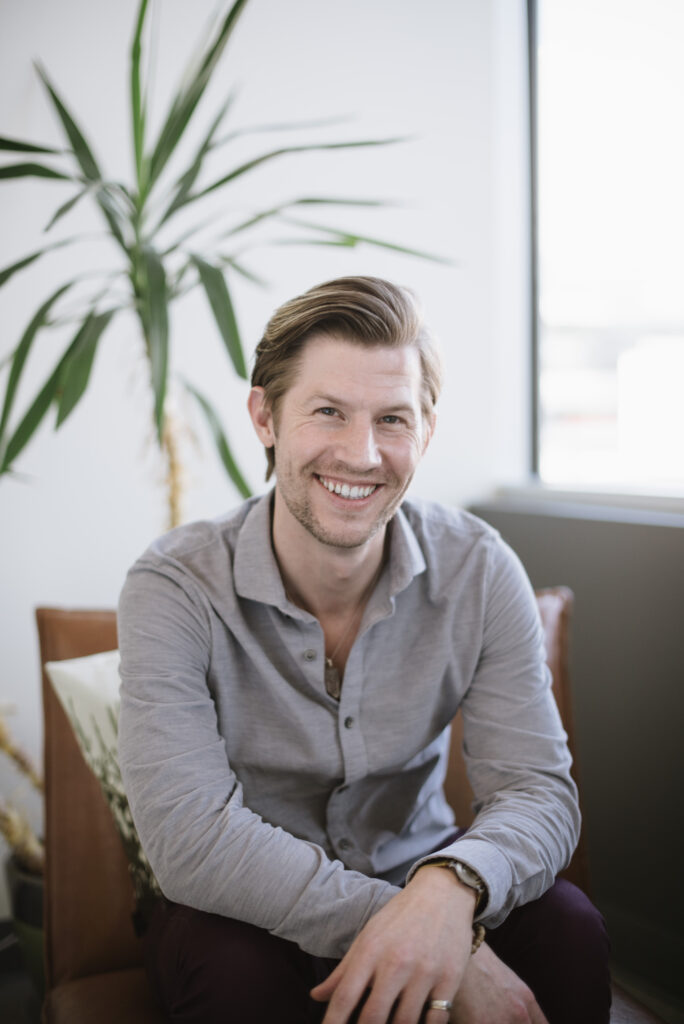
{"x":93,"y":959}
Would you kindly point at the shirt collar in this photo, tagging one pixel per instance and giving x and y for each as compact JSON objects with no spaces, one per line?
{"x":257,"y":576}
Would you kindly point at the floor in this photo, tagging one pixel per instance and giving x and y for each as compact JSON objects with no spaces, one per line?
{"x":19,"y":1001}
{"x":663,"y":1004}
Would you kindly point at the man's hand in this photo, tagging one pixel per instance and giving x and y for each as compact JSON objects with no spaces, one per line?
{"x":415,"y":949}
{"x":490,"y":993}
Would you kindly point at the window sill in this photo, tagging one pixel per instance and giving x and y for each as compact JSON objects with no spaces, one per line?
{"x":540,"y":499}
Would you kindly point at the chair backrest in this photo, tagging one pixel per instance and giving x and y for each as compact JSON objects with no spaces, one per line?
{"x":89,"y":894}
{"x":555,"y":607}
{"x":88,"y":890}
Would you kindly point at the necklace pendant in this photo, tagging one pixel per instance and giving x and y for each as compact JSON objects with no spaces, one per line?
{"x":333,"y":683}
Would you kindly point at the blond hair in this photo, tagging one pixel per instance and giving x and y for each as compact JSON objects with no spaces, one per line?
{"x":361,"y":310}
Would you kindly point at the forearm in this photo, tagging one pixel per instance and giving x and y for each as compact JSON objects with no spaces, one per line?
{"x":227,"y":860}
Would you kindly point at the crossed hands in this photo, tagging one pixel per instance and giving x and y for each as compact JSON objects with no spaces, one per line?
{"x":417,"y":948}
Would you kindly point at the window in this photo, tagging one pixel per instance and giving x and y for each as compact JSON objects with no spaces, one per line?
{"x":608,"y":180}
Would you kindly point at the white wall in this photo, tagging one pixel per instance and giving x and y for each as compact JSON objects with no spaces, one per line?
{"x":451,"y":75}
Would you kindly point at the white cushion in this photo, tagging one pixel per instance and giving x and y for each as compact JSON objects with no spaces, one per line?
{"x":88,"y":690}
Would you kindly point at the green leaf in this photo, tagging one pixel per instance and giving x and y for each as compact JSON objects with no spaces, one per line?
{"x":35,"y":414}
{"x":80,"y":147}
{"x":31,"y":170}
{"x":220,"y":441}
{"x":214,"y":284}
{"x":86,"y":160}
{"x":155,"y":317}
{"x":14,"y":267}
{"x":244,"y":271}
{"x":138,"y":113}
{"x":257,"y":218}
{"x":280,"y":126}
{"x":65,"y":207}
{"x":187,"y":180}
{"x":28,"y":260}
{"x":186,"y":100}
{"x":17,"y":146}
{"x":196,"y":227}
{"x":284,"y":151}
{"x":31,"y":421}
{"x":22,"y":350}
{"x":76,"y":370}
{"x":323,"y":201}
{"x":348,"y":239}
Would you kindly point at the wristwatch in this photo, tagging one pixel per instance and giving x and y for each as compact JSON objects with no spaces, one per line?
{"x":468,"y":877}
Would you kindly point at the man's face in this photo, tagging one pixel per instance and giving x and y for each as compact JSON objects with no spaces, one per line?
{"x":348,"y":437}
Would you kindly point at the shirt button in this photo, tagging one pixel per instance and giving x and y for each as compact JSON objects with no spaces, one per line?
{"x":348,"y":722}
{"x":345,"y":844}
{"x":309,"y":655}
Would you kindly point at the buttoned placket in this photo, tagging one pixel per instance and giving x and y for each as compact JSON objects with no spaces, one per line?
{"x":350,"y":732}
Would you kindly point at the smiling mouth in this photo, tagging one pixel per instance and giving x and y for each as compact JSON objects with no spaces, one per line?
{"x":354,"y":492}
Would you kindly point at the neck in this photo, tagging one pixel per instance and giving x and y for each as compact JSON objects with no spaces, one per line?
{"x":323,"y":579}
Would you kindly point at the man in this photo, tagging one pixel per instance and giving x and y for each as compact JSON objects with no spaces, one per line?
{"x":289,"y":673}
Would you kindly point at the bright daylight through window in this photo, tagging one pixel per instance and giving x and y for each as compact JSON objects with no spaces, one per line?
{"x":610,"y":244}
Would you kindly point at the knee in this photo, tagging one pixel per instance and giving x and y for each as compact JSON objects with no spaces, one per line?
{"x":209,"y":969}
{"x":575,"y":923}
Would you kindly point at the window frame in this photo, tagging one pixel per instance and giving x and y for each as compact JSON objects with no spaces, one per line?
{"x":535,"y":414}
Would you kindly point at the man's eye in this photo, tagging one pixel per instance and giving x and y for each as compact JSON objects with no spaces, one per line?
{"x":391,"y":419}
{"x":327,"y":410}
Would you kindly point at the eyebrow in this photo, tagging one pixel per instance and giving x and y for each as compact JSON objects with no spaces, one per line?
{"x":388,"y":411}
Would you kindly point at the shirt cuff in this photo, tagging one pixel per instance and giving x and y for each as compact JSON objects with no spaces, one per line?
{"x":489,"y":863}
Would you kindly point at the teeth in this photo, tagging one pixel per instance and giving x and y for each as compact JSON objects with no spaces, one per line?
{"x":346,"y":491}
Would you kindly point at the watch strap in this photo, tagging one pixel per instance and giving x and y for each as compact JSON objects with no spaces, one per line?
{"x":467,"y":876}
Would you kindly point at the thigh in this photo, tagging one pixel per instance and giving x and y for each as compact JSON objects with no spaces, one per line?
{"x":558,"y":945}
{"x":206,"y":968}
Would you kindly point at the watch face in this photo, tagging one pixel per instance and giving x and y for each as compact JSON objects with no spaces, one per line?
{"x":468,"y":876}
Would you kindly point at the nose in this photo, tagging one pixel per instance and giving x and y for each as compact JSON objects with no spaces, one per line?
{"x":357,"y":446}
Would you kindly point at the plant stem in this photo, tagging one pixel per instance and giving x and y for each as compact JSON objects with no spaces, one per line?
{"x":175,"y":476}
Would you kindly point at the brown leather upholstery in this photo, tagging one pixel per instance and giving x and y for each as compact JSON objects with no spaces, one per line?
{"x":114,"y":997}
{"x":90,"y":945}
{"x":93,"y":958}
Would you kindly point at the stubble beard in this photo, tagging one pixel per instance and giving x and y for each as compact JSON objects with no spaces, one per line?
{"x":300,"y":508}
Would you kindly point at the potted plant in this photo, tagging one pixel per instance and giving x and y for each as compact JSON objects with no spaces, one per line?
{"x":161,"y":246}
{"x":24,"y":866}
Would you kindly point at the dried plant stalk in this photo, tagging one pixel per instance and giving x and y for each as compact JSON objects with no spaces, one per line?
{"x":19,"y":757}
{"x":175,"y":477}
{"x":21,"y":839}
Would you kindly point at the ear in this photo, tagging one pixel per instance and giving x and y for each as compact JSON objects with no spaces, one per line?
{"x":430,"y":424}
{"x":261,"y":415}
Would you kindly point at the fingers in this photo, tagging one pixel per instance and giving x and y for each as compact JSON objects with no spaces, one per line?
{"x":417,"y":944}
{"x":343,"y":990}
{"x":441,"y":1015}
{"x":536,"y":1016}
{"x":323,"y":991}
{"x":378,"y":1000}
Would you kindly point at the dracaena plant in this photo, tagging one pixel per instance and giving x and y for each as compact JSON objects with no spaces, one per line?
{"x":157,"y":253}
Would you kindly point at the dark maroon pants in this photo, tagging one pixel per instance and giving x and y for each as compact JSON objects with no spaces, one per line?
{"x":208,"y":969}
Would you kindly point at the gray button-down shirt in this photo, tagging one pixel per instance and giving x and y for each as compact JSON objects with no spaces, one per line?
{"x":258,"y":796}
